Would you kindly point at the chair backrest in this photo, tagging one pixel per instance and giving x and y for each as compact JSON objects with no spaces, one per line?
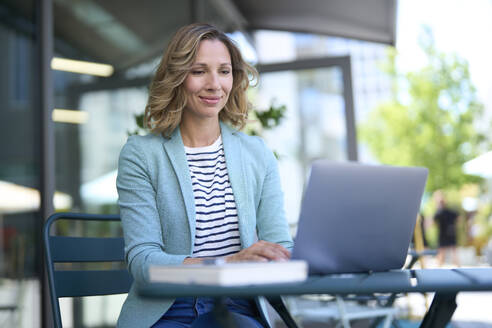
{"x":76,"y":283}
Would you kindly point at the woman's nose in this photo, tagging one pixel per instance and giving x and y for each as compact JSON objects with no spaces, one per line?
{"x":213,"y":81}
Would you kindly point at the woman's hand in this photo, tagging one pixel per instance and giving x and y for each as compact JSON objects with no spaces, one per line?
{"x":261,"y":251}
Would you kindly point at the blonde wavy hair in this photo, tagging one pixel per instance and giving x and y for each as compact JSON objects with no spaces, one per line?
{"x":167,"y":97}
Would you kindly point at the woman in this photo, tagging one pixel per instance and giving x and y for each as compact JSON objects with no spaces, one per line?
{"x":197,"y":188}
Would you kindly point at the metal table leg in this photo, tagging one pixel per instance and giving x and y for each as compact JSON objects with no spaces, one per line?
{"x":440,"y":312}
{"x":278,"y":304}
{"x":222,"y":315}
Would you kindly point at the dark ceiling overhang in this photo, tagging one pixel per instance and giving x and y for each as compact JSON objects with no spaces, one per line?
{"x":125,"y":33}
{"x":371,"y":20}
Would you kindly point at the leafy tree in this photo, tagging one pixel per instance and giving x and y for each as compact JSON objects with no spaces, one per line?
{"x":430,"y":120}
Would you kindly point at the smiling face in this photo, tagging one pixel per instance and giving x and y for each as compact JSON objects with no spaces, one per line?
{"x":209,"y":81}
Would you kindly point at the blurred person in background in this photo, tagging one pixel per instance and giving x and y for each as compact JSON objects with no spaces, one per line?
{"x":446,"y":219}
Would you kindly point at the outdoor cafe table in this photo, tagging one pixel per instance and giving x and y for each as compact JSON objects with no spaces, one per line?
{"x":445,"y":283}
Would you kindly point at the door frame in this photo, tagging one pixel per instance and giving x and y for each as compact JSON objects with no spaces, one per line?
{"x":344,"y":64}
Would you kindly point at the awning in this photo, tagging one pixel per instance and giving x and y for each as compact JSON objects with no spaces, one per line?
{"x":481,"y":166}
{"x":20,"y":199}
{"x":100,"y":191}
{"x":373,"y":20}
{"x":126,"y":33}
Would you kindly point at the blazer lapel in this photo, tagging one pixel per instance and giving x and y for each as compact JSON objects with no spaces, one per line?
{"x":234,"y":162}
{"x":175,"y":150}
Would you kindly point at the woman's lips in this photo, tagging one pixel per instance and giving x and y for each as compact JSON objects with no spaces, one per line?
{"x":210,"y":100}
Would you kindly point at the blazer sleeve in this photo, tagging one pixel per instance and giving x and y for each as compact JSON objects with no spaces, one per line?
{"x":142,"y":228}
{"x":270,"y":219}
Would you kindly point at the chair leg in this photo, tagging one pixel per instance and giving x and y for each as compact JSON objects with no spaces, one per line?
{"x":345,"y":323}
{"x":387,"y":321}
{"x":343,"y":314}
{"x":278,"y":304}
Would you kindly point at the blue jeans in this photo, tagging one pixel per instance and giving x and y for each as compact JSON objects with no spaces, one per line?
{"x":196,"y":312}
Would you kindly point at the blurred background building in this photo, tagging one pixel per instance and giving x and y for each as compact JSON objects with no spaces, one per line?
{"x":63,"y":123}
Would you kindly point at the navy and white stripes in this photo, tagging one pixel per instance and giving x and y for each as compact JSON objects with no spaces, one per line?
{"x":217,"y":230}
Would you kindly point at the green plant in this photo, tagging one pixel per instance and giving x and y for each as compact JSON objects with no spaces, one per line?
{"x":271,"y":117}
{"x":139,"y":120}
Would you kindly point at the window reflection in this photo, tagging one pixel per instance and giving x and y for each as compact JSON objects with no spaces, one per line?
{"x":314,"y":125}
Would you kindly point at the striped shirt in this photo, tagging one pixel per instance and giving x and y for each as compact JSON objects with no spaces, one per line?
{"x":217,"y":228}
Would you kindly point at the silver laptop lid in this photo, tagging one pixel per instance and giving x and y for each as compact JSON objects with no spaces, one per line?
{"x":358,"y":218}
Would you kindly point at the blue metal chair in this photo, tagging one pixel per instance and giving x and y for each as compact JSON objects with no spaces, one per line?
{"x":77,"y":283}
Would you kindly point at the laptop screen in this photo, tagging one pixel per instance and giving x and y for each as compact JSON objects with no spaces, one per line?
{"x":358,"y":218}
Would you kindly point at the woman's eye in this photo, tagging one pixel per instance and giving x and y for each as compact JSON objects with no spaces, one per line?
{"x":197,"y":72}
{"x":225,"y":71}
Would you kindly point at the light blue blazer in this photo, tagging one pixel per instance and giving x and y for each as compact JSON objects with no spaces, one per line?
{"x":157,"y":207}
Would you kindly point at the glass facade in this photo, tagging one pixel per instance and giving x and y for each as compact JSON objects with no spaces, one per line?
{"x":19,"y":167}
{"x":86,"y":160}
{"x":315,"y":124}
{"x":313,"y":127}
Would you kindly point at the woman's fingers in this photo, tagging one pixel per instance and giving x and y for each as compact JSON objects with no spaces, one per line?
{"x":272,"y":251}
{"x":258,"y":258}
{"x":261,"y":251}
{"x":246,"y":255}
{"x":283,"y":250}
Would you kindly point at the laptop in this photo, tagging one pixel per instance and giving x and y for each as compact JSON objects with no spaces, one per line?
{"x":358,"y":218}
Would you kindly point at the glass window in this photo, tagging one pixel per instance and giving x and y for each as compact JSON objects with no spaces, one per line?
{"x":19,"y":169}
{"x":314,"y":124}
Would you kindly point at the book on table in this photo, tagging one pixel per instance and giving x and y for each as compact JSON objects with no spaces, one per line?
{"x":231,"y":274}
